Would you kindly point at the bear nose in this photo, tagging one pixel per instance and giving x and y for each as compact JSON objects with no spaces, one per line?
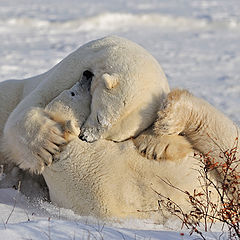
{"x":82,"y":137}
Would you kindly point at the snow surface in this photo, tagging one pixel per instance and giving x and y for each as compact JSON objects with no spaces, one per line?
{"x":21,"y":218}
{"x":196,"y":42}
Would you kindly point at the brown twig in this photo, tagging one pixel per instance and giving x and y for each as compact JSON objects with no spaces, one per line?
{"x":216,"y":200}
{"x":15,"y":202}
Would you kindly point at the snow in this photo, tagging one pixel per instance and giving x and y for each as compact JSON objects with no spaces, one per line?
{"x":22,"y":218}
{"x":25,"y":219}
{"x":196,"y":42}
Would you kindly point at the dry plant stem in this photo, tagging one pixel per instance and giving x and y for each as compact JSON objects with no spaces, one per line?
{"x":215,"y":200}
{"x":15,"y":202}
{"x":4,"y":224}
{"x":177,"y":211}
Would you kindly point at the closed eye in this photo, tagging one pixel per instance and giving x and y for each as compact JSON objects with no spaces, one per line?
{"x":88,"y":75}
{"x":87,"y":79}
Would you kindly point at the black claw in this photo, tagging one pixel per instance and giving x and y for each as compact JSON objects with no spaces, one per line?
{"x":55,"y":159}
{"x":46,"y":164}
{"x":143,"y":151}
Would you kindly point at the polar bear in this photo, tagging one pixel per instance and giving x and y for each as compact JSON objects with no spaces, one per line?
{"x":111,"y":180}
{"x":108,"y":179}
{"x":121,"y":73}
{"x":106,"y":80}
{"x":208,"y":130}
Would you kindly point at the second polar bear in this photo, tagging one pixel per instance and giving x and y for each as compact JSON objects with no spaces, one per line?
{"x":121,"y":73}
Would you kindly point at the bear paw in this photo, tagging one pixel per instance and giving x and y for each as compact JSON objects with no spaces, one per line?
{"x":162,"y":147}
{"x":34,"y":141}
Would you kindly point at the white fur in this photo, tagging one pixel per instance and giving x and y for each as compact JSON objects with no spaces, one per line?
{"x":207,"y":129}
{"x":109,"y":179}
{"x":118,"y":110}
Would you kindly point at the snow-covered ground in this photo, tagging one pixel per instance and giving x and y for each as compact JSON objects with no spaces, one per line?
{"x":23,"y":219}
{"x":196,"y":42}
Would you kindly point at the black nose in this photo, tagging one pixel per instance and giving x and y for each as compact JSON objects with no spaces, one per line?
{"x":82,"y":137}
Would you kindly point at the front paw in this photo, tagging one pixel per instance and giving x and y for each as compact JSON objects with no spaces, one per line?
{"x":147,"y":143}
{"x":33,"y":140}
{"x":46,"y":141}
{"x":162,"y":147}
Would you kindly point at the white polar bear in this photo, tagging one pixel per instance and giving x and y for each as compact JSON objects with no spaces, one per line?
{"x":127,"y":82}
{"x":107,"y":179}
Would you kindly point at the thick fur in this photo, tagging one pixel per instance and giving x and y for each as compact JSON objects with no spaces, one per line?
{"x":207,"y":129}
{"x":112,"y":180}
{"x":108,"y":179}
{"x":103,"y":178}
{"x":162,"y":147}
{"x":122,"y":72}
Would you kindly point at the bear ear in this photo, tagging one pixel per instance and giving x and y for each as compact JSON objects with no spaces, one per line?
{"x":110,"y":81}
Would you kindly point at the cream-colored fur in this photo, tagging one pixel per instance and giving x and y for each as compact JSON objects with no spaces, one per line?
{"x":207,"y":129}
{"x":162,"y":147}
{"x":120,"y":72}
{"x":103,"y":178}
{"x":109,"y":179}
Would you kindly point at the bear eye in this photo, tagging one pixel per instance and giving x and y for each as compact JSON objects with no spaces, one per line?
{"x":87,"y":79}
{"x":88,"y":75}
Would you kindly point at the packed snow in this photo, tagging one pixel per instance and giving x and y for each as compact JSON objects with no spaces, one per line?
{"x":195,"y":41}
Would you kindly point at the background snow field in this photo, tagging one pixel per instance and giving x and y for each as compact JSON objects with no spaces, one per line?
{"x":195,"y":41}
